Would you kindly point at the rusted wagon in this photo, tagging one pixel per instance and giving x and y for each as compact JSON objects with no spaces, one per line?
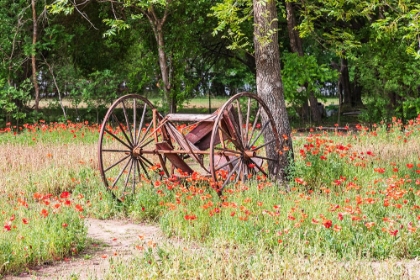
{"x":139,"y":146}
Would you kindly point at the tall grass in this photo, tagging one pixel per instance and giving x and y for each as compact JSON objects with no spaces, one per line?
{"x":353,"y":199}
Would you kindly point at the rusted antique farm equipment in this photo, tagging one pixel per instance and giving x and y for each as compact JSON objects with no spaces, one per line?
{"x":139,"y":146}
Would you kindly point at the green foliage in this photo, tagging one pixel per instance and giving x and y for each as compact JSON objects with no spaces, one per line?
{"x":13,"y":101}
{"x":235,"y":20}
{"x":302,"y":75}
{"x":390,"y":80}
{"x":99,"y":91}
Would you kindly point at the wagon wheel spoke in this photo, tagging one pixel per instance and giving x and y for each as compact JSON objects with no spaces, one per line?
{"x":116,"y":163}
{"x":144,"y":168}
{"x":119,"y":175}
{"x":234,"y":169}
{"x":226,"y":164}
{"x":146,"y":133}
{"x":147,"y":143}
{"x":141,"y":123}
{"x":117,"y":138}
{"x":226,"y":134}
{"x":128,"y":123}
{"x":248,"y":114}
{"x":115,"y":118}
{"x":255,"y":123}
{"x":264,"y":145}
{"x":239,"y":173}
{"x":133,"y":134}
{"x":265,"y":158}
{"x":259,"y":134}
{"x":228,"y":150}
{"x":241,"y":132}
{"x":127,"y":178}
{"x":115,"y":151}
{"x":259,"y":167}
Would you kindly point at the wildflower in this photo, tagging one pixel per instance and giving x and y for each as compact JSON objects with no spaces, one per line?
{"x":337,"y":228}
{"x":300,"y":181}
{"x":327,"y":223}
{"x":369,"y":225}
{"x":393,"y":232}
{"x":64,"y":195}
{"x":190,"y":217}
{"x":44,"y":213}
{"x":25,"y":221}
{"x":410,"y":165}
{"x":411,"y":228}
{"x":379,"y":170}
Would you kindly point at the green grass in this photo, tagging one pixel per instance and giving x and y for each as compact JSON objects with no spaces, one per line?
{"x":353,"y":200}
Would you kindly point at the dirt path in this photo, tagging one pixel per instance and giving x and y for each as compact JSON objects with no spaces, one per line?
{"x":107,"y":238}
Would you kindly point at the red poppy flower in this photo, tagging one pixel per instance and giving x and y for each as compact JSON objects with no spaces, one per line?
{"x":44,"y":213}
{"x":64,"y":195}
{"x":327,"y":223}
{"x":393,"y":232}
{"x":379,"y":170}
{"x":190,"y":217}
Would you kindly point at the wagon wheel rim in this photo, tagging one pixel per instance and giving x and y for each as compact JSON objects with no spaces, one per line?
{"x":238,"y":151}
{"x":126,"y":143}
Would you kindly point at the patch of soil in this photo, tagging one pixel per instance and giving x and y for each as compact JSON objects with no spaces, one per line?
{"x":106,"y":238}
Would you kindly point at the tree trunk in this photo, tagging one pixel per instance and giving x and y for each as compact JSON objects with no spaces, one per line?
{"x":296,"y":46}
{"x":345,"y":82}
{"x":33,"y":54}
{"x":157,"y":26}
{"x":356,"y":96}
{"x":269,"y":83}
{"x":164,"y":70}
{"x":295,"y":41}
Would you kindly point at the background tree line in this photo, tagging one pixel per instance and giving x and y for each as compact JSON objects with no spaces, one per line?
{"x":364,"y":52}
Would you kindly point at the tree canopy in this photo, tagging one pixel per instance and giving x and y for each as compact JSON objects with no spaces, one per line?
{"x":366,"y":53}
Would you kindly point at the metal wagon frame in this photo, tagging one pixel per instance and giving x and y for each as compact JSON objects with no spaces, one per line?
{"x":230,"y":145}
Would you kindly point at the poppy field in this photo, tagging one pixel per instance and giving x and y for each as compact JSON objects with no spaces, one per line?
{"x":353,"y":196}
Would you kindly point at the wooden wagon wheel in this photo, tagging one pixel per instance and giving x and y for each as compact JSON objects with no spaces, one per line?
{"x":238,"y":149}
{"x":126,"y":148}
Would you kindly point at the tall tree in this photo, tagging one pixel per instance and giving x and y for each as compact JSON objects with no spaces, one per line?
{"x":268,"y":76}
{"x":33,"y":52}
{"x":296,"y":46}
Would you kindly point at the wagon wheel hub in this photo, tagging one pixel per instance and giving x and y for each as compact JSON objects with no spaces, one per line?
{"x":249,"y":154}
{"x":137,"y":152}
